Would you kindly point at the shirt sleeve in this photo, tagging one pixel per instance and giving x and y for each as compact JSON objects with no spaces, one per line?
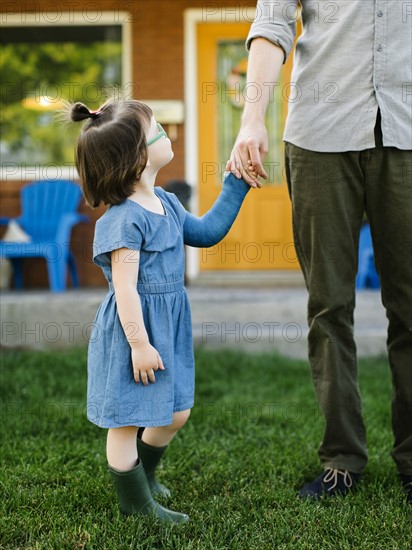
{"x":275,"y":20}
{"x":211,"y":228}
{"x":117,"y":228}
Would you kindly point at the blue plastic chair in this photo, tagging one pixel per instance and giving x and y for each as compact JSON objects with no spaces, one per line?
{"x":48,"y":215}
{"x":367,"y":275}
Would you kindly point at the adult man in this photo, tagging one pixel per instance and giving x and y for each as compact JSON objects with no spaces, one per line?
{"x":348,"y":148}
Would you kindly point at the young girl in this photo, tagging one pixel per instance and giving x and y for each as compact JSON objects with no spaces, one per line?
{"x":140,"y":359}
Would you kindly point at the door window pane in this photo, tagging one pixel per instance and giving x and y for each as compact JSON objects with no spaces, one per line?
{"x":231,"y":68}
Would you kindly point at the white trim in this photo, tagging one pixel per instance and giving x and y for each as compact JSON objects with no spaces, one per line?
{"x":193,"y":16}
{"x":32,"y":173}
{"x":64,"y":18}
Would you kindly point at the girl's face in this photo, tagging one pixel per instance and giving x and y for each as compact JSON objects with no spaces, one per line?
{"x":159,"y":146}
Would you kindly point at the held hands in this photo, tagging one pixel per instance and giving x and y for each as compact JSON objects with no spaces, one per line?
{"x":250,"y":148}
{"x":146,"y":360}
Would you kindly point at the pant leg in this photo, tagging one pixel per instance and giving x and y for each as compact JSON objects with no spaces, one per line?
{"x":388,"y":173}
{"x":327,"y":192}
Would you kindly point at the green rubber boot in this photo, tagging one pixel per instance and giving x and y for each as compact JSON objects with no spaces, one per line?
{"x":150,"y":456}
{"x":135,"y":497}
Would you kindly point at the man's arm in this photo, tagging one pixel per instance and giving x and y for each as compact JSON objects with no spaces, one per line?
{"x":265,"y":62}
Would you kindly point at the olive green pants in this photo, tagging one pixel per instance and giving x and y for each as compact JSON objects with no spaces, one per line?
{"x":329,"y":193}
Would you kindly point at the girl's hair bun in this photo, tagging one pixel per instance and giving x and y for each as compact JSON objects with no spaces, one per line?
{"x":80,"y":112}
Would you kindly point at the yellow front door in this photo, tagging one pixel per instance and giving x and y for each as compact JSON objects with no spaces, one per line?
{"x":261,"y":238}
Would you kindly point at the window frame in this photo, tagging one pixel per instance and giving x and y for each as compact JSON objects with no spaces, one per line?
{"x":66,"y":18}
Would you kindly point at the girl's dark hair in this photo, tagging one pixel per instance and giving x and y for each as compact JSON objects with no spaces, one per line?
{"x":111,"y":152}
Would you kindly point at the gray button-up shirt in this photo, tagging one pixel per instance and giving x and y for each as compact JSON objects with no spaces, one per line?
{"x":352,"y":57}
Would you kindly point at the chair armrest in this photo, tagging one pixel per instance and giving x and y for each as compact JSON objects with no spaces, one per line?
{"x":66,"y":223}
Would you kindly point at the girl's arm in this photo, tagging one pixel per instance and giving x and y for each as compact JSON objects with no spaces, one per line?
{"x":215,"y":224}
{"x":125,"y":270}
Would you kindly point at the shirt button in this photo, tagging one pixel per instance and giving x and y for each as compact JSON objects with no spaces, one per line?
{"x":380,"y":13}
{"x":380,"y":48}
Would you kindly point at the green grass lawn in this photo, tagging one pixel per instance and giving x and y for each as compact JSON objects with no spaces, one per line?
{"x":235,"y":468}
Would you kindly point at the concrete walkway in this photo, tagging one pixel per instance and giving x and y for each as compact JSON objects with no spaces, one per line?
{"x":252,"y":319}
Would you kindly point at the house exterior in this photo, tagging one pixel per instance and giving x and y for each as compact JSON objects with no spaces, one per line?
{"x":187,"y":59}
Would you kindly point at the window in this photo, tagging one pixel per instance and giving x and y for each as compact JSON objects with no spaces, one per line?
{"x":44,"y":64}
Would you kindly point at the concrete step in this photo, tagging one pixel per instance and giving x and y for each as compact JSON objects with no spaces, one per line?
{"x":251,"y":319}
{"x":248,"y":279}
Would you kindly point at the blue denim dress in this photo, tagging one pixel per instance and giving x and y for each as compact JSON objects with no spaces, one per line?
{"x":114,"y":399}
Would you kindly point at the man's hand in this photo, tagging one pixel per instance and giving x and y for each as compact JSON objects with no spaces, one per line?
{"x":247,"y":155}
{"x":146,"y":360}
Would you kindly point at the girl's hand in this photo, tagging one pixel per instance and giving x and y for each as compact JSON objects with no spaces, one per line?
{"x":146,"y":360}
{"x":246,"y":159}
